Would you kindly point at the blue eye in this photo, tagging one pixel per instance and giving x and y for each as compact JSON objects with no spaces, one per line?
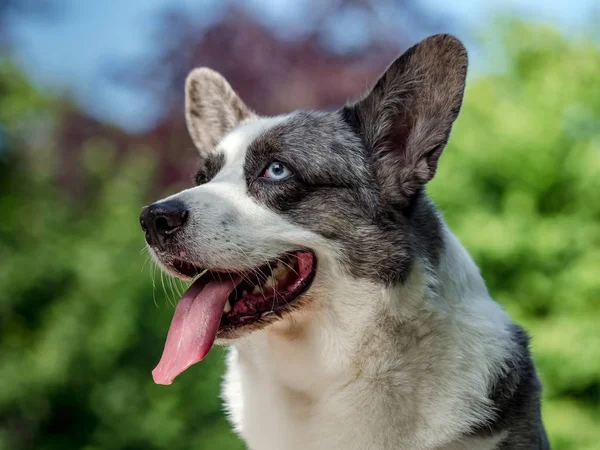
{"x":277,"y":171}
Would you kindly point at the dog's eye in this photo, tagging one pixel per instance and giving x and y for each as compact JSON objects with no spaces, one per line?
{"x":277,"y":171}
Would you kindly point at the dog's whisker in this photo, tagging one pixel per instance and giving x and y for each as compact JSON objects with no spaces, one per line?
{"x":170,"y":284}
{"x":162,"y":280}
{"x":153,"y":276}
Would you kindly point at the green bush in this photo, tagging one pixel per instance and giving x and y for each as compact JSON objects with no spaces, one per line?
{"x":81,"y":326}
{"x":520,"y":185}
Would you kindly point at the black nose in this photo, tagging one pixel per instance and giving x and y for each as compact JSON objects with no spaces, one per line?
{"x":160,"y":221}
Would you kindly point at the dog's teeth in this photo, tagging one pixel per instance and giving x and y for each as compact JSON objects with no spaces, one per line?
{"x":244,"y":293}
{"x":227,"y":307}
{"x":270,"y":282}
{"x":266,"y":314}
{"x":280,"y":271}
{"x":257,"y":290}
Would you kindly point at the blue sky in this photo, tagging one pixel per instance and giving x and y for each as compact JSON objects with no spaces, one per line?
{"x":71,"y":54}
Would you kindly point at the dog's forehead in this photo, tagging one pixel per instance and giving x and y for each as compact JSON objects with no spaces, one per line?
{"x":321,"y":146}
{"x":235,"y":144}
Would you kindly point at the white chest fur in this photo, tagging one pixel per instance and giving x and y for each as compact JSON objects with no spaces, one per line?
{"x":402,"y":371}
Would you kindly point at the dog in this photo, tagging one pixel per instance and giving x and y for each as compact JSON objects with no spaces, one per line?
{"x":355,"y":318}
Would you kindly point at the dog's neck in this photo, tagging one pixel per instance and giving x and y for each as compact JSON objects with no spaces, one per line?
{"x":436,"y":339}
{"x":452,"y":298}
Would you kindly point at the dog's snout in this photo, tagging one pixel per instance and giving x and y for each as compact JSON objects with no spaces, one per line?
{"x":161,"y":220}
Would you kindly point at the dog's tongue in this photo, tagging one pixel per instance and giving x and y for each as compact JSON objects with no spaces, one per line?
{"x":194,"y":327}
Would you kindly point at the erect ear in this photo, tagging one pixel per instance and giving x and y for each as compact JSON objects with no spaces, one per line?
{"x":406,"y":118}
{"x":212,"y":108}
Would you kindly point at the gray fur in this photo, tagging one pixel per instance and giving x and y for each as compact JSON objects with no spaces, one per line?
{"x":210,"y":164}
{"x":335,"y":193}
{"x":406,"y":119}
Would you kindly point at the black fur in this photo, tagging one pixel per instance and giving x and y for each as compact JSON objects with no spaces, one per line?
{"x":516,"y":396}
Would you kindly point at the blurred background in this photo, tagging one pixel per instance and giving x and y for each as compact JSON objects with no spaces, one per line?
{"x":92,"y":129}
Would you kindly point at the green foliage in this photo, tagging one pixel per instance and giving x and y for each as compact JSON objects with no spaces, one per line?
{"x":520,"y":185}
{"x":81,"y":326}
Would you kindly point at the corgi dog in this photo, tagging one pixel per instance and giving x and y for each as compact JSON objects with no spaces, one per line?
{"x":355,"y":319}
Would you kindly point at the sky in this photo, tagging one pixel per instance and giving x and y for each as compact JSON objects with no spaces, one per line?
{"x":72,"y":52}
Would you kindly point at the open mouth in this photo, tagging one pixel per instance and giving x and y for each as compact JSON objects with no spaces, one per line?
{"x":221,"y":304}
{"x":262,"y":291}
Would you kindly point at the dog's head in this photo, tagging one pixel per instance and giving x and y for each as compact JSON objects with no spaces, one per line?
{"x":286,"y":208}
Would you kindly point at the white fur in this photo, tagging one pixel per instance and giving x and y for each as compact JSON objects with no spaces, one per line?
{"x":235,"y":145}
{"x":344,"y":384}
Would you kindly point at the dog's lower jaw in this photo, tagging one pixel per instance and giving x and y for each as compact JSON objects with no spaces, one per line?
{"x":412,"y":368}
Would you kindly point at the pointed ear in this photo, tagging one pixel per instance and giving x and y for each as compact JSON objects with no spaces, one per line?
{"x":212,"y":108}
{"x":406,"y":118}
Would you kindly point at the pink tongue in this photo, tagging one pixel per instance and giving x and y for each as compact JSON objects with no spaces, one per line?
{"x":194,"y":327}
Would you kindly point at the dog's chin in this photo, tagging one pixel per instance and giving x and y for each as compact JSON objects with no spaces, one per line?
{"x":265,"y":295}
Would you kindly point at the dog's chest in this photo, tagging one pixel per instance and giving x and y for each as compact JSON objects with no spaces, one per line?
{"x":273,"y":416}
{"x":334,"y":414}
{"x":353,"y":389}
{"x":299,"y":396}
